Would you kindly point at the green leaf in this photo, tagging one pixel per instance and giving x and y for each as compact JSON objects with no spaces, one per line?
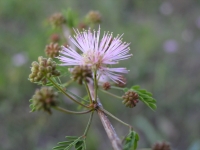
{"x":63,"y":71}
{"x":130,"y":142}
{"x":72,"y":141}
{"x":144,"y":96}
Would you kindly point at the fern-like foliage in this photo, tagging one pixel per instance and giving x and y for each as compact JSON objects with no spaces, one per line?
{"x":144,"y":96}
{"x":72,"y":141}
{"x":130,"y":141}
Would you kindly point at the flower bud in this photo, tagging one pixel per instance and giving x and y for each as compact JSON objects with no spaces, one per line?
{"x":33,"y":69}
{"x":130,"y":99}
{"x":94,"y":17}
{"x":106,"y":86}
{"x":57,"y":20}
{"x":81,"y":73}
{"x":45,"y":68}
{"x":49,"y":69}
{"x":35,"y":64}
{"x":55,"y":38}
{"x":52,"y":50}
{"x":44,"y":99}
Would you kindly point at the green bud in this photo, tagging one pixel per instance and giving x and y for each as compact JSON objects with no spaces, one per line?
{"x":49,"y":69}
{"x":41,"y":68}
{"x":44,"y":59}
{"x":40,"y":74}
{"x":42,"y":63}
{"x":31,"y":80}
{"x":44,"y":99}
{"x":31,"y":75}
{"x":49,"y":61}
{"x":40,"y":58}
{"x":48,"y":75}
{"x":33,"y":69}
{"x":53,"y":66}
{"x":35,"y":64}
{"x":36,"y":79}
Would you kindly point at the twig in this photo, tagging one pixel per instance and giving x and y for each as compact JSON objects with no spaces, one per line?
{"x":112,"y":135}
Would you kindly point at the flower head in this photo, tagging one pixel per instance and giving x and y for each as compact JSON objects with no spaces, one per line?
{"x":97,"y":53}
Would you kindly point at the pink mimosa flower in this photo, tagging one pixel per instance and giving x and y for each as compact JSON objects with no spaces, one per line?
{"x":98,"y":53}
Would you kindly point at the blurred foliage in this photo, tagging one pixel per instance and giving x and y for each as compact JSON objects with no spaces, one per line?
{"x":165,"y":43}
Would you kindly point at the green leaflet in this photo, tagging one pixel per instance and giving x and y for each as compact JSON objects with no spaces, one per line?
{"x":72,"y":141}
{"x":144,"y":96}
{"x":130,"y":141}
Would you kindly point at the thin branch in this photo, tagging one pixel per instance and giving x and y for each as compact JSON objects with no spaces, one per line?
{"x":71,"y":112}
{"x":111,"y":115}
{"x":111,"y":94}
{"x":59,"y":88}
{"x":89,"y":123}
{"x":88,"y":91}
{"x":112,"y":135}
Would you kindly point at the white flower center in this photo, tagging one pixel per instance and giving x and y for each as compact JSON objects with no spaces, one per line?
{"x":93,"y":58}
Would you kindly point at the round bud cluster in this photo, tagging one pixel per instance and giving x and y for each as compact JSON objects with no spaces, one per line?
{"x":81,"y":73}
{"x":122,"y":82}
{"x":57,"y":20}
{"x":45,"y":68}
{"x":44,"y":99}
{"x":94,"y":17}
{"x":161,"y":146}
{"x":130,"y":99}
{"x":52,"y":50}
{"x":106,"y":86}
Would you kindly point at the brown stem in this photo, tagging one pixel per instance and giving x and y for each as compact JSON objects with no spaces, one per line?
{"x":112,"y":135}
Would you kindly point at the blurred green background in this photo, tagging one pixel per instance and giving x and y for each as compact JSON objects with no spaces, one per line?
{"x":165,"y":42}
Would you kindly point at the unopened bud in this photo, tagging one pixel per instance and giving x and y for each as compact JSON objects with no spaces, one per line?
{"x":94,"y":17}
{"x":52,"y":50}
{"x":55,"y":38}
{"x":57,"y":20}
{"x":130,"y":99}
{"x":106,"y":86}
{"x":45,"y":68}
{"x":81,"y":73}
{"x":44,"y":99}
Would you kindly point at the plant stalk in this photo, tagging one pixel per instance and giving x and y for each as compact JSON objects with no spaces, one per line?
{"x":111,"y":94}
{"x":71,"y":112}
{"x":112,"y":135}
{"x":59,"y":88}
{"x":89,"y":123}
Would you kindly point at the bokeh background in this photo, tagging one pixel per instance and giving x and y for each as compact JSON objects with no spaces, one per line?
{"x":165,"y":42}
